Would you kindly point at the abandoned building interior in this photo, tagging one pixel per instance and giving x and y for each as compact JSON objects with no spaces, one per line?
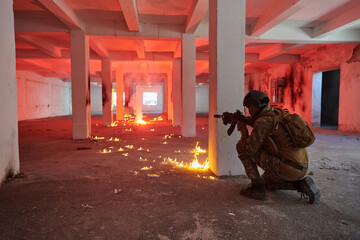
{"x":114,"y":99}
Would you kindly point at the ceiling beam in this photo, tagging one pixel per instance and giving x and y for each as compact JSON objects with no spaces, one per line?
{"x":276,"y":49}
{"x":202,"y":56}
{"x":177,"y":52}
{"x":41,"y":67}
{"x":338,"y":23}
{"x":277,"y":13}
{"x":41,"y":44}
{"x":101,"y":29}
{"x":202,"y":48}
{"x":304,"y":36}
{"x":196,"y":14}
{"x":131,"y":56}
{"x":63,"y":12}
{"x":98,"y":47}
{"x":39,"y":63}
{"x":139,"y":48}
{"x":52,"y":74}
{"x":129,"y":10}
{"x":284,"y":58}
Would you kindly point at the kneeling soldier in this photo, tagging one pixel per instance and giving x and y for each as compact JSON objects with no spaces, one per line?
{"x":283,"y":170}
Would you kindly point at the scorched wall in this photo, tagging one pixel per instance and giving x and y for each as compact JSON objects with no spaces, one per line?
{"x":298,"y":79}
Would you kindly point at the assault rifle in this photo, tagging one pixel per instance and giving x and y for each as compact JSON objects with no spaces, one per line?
{"x":232,"y":118}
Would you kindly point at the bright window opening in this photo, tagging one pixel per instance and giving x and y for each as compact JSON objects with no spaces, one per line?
{"x":150,"y":98}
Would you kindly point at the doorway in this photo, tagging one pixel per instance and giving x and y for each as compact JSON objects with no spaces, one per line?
{"x":325,"y":99}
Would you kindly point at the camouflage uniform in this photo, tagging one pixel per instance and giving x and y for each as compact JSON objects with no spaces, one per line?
{"x":281,"y":171}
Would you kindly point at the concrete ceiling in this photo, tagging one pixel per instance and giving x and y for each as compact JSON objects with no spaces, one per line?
{"x":138,"y":31}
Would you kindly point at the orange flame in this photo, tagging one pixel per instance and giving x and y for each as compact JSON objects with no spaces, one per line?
{"x":114,"y":124}
{"x":195,"y":165}
{"x":139,"y":120}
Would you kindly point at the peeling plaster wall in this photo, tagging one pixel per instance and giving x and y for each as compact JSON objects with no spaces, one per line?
{"x":9,"y":144}
{"x":40,"y":97}
{"x":299,"y":77}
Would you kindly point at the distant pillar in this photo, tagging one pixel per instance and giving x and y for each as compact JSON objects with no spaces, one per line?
{"x":127,"y":95}
{"x":188,"y":124}
{"x":176,"y":92}
{"x":226,"y":83}
{"x":9,"y":143}
{"x":107,"y":112}
{"x":119,"y":95}
{"x":80,"y":85}
{"x":166,"y":99}
{"x":170,"y":96}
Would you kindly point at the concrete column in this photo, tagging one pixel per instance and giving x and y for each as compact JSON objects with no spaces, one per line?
{"x":166,"y":100}
{"x":226,"y":83}
{"x":119,"y":95}
{"x":127,"y":95}
{"x":188,"y":123}
{"x":170,"y":98}
{"x":131,"y":97}
{"x":80,"y":85}
{"x":176,"y":92}
{"x":106,"y":76}
{"x":9,"y":143}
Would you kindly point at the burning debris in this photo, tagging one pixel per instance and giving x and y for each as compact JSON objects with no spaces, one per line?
{"x":116,"y":191}
{"x":87,"y":206}
{"x":129,"y":146}
{"x":128,"y":117}
{"x":125,"y":154}
{"x":120,"y":150}
{"x":194,"y":165}
{"x":152,"y":130}
{"x":115,"y":124}
{"x":97,"y":138}
{"x":207,"y":177}
{"x":157,"y":119}
{"x":140,"y":149}
{"x":105,"y":151}
{"x":153,"y":175}
{"x":143,"y":159}
{"x":128,"y":130}
{"x":168,"y":136}
{"x":114,"y":139}
{"x":146,"y":168}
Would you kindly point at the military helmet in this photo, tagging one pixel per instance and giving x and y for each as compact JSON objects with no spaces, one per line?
{"x":257,"y":97}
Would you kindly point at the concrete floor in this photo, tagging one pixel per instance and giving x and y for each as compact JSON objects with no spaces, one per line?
{"x":67,"y":189}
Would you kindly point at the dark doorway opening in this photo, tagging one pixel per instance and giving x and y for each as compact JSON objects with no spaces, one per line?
{"x":330,"y":99}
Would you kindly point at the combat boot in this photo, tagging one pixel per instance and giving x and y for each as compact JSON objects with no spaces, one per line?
{"x":307,"y":187}
{"x":255,"y":190}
